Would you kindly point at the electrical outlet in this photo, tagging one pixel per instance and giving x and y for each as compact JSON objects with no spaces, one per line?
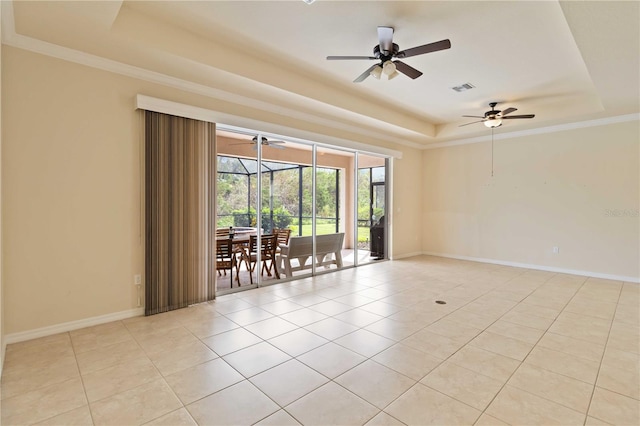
{"x":137,"y":279}
{"x":556,"y":250}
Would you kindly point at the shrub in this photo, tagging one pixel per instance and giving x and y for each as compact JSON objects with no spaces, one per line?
{"x":244,"y":218}
{"x":281,"y":218}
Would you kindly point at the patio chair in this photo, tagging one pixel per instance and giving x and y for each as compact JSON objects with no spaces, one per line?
{"x":268,"y":245}
{"x":222,"y":232}
{"x":226,"y":258}
{"x":282,"y":236}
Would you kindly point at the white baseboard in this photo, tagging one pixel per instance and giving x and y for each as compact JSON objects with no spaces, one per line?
{"x":69,"y":326}
{"x":538,"y":267}
{"x":405,"y":255}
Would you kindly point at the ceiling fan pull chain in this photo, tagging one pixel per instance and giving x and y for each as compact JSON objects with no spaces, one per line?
{"x":492,"y":152}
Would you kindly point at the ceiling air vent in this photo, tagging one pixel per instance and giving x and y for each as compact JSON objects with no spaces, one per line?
{"x":463,"y":87}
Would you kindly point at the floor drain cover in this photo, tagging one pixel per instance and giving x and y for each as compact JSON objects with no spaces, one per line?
{"x":441,"y":302}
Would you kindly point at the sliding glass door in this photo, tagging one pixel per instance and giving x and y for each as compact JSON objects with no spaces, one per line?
{"x":334,"y":220}
{"x":372,"y":217}
{"x":293,"y":208}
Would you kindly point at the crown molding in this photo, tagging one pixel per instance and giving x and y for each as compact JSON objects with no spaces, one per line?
{"x":538,"y":131}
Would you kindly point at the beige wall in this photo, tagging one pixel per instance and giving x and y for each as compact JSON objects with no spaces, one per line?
{"x":562,"y":189}
{"x":71,"y":192}
{"x":71,"y":164}
{"x":407,"y":216}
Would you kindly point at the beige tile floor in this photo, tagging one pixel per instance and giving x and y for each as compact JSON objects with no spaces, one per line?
{"x":360,"y":346}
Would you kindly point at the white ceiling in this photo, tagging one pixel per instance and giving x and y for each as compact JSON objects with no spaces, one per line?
{"x":563,"y":61}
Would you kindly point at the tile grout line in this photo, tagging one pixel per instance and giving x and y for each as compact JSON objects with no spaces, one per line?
{"x":595,"y":383}
{"x":84,"y":389}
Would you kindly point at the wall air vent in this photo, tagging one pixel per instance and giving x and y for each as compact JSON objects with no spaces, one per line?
{"x":463,"y":87}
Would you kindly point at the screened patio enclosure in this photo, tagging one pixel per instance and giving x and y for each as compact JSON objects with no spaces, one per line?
{"x":307,"y":189}
{"x":283,"y":195}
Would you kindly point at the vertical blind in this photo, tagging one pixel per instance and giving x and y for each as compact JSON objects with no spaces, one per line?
{"x":179,"y":211}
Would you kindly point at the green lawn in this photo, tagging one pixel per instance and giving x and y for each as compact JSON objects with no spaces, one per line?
{"x":329,"y":228}
{"x":322,"y":229}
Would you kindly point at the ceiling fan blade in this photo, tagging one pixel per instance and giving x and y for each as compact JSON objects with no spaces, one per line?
{"x":348,"y":58}
{"x":473,"y":122}
{"x":519,"y":116}
{"x":365,"y":74}
{"x":426,"y":48}
{"x":508,"y":111}
{"x":407,"y":70}
{"x":385,"y":36}
{"x":273,"y":145}
{"x":242,"y":143}
{"x":473,"y":116}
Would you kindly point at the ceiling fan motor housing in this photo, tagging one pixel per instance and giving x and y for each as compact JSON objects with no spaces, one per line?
{"x":385,"y":56}
{"x":494,"y":112}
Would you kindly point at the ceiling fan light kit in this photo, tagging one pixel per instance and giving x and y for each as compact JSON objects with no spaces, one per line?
{"x":376,"y":72}
{"x":389,"y":69}
{"x":493,"y":122}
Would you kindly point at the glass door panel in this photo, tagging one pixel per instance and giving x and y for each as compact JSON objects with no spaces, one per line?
{"x":334,"y":209}
{"x":236,"y":202}
{"x":287,"y":209}
{"x":372,"y":223}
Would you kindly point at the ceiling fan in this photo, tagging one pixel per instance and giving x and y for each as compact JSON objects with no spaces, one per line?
{"x":264,"y":142}
{"x":494,"y":117}
{"x":386,"y":52}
